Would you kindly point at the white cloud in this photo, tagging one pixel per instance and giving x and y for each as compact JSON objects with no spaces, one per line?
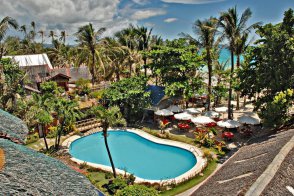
{"x":141,"y":2}
{"x":66,"y":15}
{"x":169,"y":20}
{"x":192,"y":1}
{"x":147,"y":13}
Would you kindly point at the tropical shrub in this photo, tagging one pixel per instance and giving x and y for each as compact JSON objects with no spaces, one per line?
{"x":137,"y":190}
{"x":83,"y":86}
{"x":97,"y":94}
{"x":275,"y":113}
{"x":116,"y":184}
{"x":52,"y":132}
{"x":32,"y":138}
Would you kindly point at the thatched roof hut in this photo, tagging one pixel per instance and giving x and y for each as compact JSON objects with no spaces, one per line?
{"x":24,"y":171}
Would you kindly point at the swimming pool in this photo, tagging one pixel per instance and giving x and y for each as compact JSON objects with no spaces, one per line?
{"x":134,"y":154}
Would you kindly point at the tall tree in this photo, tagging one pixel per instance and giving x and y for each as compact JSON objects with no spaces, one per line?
{"x":241,"y":45}
{"x":88,"y":39}
{"x":108,"y":117}
{"x":52,"y":35}
{"x":5,"y":24}
{"x":233,"y":27}
{"x":144,"y":38}
{"x":42,"y":34}
{"x":33,"y":31}
{"x":207,"y":31}
{"x":62,"y":36}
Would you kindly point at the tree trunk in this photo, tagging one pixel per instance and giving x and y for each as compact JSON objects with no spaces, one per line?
{"x":230,"y":111}
{"x":108,"y":152}
{"x":44,"y":137}
{"x":209,"y":77}
{"x":59,"y":135}
{"x":145,"y":64}
{"x":244,"y":101}
{"x":93,"y":68}
{"x":238,"y":92}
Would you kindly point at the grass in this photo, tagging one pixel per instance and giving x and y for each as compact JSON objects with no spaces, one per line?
{"x":170,"y":136}
{"x":193,"y":181}
{"x":98,"y":179}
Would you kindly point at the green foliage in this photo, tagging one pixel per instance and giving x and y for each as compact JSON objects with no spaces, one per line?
{"x":115,"y":185}
{"x":275,"y":113}
{"x":50,"y":88}
{"x":52,"y":132}
{"x":269,"y":65}
{"x":83,"y":86}
{"x":11,"y":80}
{"x":97,"y":94}
{"x":137,"y":190}
{"x":130,"y":95}
{"x":32,"y":138}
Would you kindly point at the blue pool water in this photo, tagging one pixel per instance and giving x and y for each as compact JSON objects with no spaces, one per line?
{"x":135,"y":154}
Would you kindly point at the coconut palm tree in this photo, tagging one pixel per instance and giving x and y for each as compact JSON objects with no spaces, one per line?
{"x":52,"y":35}
{"x":108,"y":118}
{"x":23,"y":29}
{"x":233,"y":27}
{"x":62,"y":36}
{"x":88,"y":39}
{"x":42,"y":34}
{"x":241,"y":45}
{"x":207,"y":31}
{"x":144,"y":38}
{"x":33,"y":31}
{"x":5,"y":24}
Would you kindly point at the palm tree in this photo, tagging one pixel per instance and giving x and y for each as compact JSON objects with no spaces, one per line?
{"x":108,"y":117}
{"x":67,"y":112}
{"x":23,"y":29}
{"x":241,"y":45}
{"x":88,"y":39}
{"x":144,"y":38}
{"x":42,"y":34}
{"x":52,"y":35}
{"x":233,"y":27}
{"x":5,"y":23}
{"x":62,"y":36}
{"x":33,"y":31}
{"x":206,"y":31}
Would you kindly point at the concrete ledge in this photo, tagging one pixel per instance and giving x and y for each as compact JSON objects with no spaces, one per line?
{"x":265,"y":178}
{"x":197,"y":168}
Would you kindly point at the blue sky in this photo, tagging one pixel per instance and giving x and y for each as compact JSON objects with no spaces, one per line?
{"x":182,"y":16}
{"x":168,"y":18}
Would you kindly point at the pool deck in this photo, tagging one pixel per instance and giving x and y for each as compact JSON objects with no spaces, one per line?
{"x":198,"y":167}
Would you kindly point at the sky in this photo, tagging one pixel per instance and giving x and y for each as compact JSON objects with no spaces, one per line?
{"x":167,"y":18}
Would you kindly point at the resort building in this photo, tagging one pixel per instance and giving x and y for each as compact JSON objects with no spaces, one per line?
{"x":37,"y":67}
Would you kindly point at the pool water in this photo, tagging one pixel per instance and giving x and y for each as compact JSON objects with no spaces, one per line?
{"x":134,"y":154}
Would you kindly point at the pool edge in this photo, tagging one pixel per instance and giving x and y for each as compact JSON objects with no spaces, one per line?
{"x":201,"y":162}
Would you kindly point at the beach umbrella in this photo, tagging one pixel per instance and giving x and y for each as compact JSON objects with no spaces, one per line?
{"x":228,"y":123}
{"x":183,"y":116}
{"x":221,"y":109}
{"x":202,"y":120}
{"x":175,"y":108}
{"x":211,"y":114}
{"x":164,"y":112}
{"x":249,"y":120}
{"x":193,"y":111}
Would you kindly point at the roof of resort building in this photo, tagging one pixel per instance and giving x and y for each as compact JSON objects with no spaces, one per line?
{"x":27,"y":172}
{"x":31,"y":60}
{"x":74,"y":73}
{"x":237,"y":175}
{"x":156,"y":93}
{"x":12,"y":127}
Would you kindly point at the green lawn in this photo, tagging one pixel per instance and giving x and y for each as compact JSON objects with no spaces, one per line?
{"x":192,"y":182}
